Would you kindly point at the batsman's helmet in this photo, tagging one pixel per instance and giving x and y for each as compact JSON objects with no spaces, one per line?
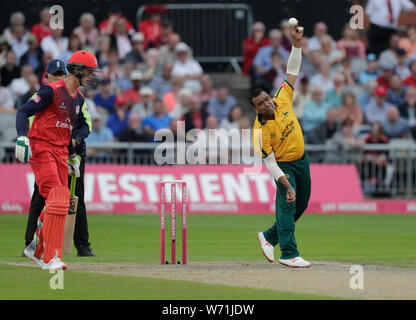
{"x":80,"y":61}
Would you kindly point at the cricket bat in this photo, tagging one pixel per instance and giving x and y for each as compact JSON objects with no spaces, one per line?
{"x":70,"y":218}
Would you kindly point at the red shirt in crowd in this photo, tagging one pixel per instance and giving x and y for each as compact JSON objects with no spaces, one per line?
{"x":41,"y":31}
{"x":250,"y":48}
{"x":383,"y":82}
{"x":151,"y":31}
{"x":132,"y":96}
{"x":410,"y":81}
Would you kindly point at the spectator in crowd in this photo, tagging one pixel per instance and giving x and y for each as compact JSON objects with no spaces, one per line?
{"x":120,"y":38}
{"x":402,"y":68}
{"x":33,"y":84}
{"x":263,"y":59}
{"x":346,"y":142}
{"x":41,"y":70}
{"x":19,"y":41}
{"x":151,"y":27}
{"x":389,"y":56}
{"x":252,"y":44}
{"x":187,"y":69}
{"x":396,"y":92}
{"x":42,"y":28}
{"x":183,"y":105}
{"x":275,"y":76}
{"x":108,"y":25}
{"x":368,"y":94}
{"x":6,"y":99}
{"x":221,"y":106}
{"x":132,"y":95}
{"x":162,"y":83}
{"x":374,"y":162}
{"x":350,"y":45}
{"x":326,"y":129}
{"x":112,"y":71}
{"x":124,"y":83}
{"x":320,"y":30}
{"x":233,"y":119}
{"x":166,"y":29}
{"x":329,"y":53}
{"x":195,"y":118}
{"x":371,"y":73}
{"x":33,"y":55}
{"x":99,"y":134}
{"x":334,"y":96}
{"x":137,"y":55}
{"x":105,"y":99}
{"x":118,"y":120}
{"x":301,"y":97}
{"x":315,"y":111}
{"x":133,"y":133}
{"x":395,"y":127}
{"x":207,"y":91}
{"x":74,"y":44}
{"x":150,"y":66}
{"x":312,"y":63}
{"x":87,"y":32}
{"x":408,"y":108}
{"x":387,"y":71}
{"x":20,"y":85}
{"x":376,"y":110}
{"x":350,"y":77}
{"x":408,"y":43}
{"x":4,"y":49}
{"x":56,"y":43}
{"x":384,"y":17}
{"x":323,"y":79}
{"x":167,"y":52}
{"x":349,"y":110}
{"x":10,"y":70}
{"x":144,"y":108}
{"x":170,"y":99}
{"x":411,"y":80}
{"x":103,"y":54}
{"x":158,"y":120}
{"x":89,"y":100}
{"x":17,"y":19}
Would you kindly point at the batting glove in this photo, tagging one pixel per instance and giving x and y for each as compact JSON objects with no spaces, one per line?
{"x":73,"y":166}
{"x":22,"y":151}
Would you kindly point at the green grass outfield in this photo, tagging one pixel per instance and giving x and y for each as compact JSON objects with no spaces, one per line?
{"x":363,"y":239}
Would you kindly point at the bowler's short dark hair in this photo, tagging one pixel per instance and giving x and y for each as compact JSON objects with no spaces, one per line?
{"x":253,"y":94}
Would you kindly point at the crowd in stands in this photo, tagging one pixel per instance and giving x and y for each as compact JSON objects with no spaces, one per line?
{"x":150,"y":79}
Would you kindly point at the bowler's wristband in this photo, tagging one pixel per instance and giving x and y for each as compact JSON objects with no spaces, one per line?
{"x":290,"y":188}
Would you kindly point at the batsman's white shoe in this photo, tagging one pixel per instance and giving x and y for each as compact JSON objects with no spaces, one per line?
{"x":266,"y":247}
{"x":54,"y":264}
{"x":30,"y":253}
{"x":297,"y":262}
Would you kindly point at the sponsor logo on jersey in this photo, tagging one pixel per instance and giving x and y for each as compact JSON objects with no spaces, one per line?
{"x":36,"y":99}
{"x":65,"y":125}
{"x":77,"y":109}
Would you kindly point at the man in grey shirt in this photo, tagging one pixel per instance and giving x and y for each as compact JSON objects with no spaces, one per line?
{"x":221,"y":106}
{"x":395,"y":127}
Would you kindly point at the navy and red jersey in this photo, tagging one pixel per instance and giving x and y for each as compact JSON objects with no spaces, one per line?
{"x":56,"y":114}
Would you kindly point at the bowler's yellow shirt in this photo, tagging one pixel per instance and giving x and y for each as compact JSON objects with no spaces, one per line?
{"x":283,"y":134}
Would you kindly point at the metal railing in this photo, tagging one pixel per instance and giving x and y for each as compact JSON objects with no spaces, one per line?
{"x":214,"y":31}
{"x":384,"y":169}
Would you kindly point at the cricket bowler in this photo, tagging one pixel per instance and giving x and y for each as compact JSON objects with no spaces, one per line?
{"x":49,"y":150}
{"x":278,"y":137}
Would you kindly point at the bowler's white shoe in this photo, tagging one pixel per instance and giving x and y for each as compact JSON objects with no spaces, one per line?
{"x":54,"y":264}
{"x":297,"y":262}
{"x":266,"y":247}
{"x":30,"y":253}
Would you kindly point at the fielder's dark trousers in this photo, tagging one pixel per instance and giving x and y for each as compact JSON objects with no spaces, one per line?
{"x":37,"y":204}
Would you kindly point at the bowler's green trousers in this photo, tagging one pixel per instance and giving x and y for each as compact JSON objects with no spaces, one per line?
{"x":283,"y":231}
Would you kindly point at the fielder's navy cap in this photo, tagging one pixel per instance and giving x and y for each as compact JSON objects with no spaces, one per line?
{"x":56,"y":66}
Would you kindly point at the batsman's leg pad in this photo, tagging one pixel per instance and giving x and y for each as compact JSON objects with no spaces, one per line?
{"x":56,"y":209}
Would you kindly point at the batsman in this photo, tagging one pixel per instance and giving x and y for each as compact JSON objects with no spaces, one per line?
{"x":49,"y":149}
{"x":278,"y":137}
